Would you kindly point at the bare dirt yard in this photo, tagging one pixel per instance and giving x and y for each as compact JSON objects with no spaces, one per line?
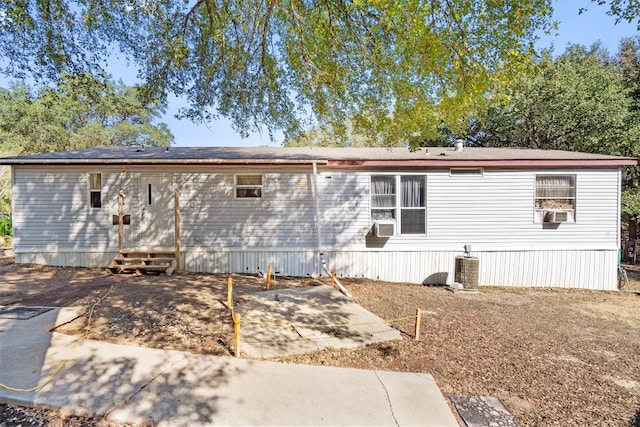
{"x":554,"y":356}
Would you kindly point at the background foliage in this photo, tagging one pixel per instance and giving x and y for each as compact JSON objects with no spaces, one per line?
{"x":6,"y":230}
{"x":395,"y":68}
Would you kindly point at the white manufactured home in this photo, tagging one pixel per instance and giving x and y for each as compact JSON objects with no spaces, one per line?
{"x":531,"y":217}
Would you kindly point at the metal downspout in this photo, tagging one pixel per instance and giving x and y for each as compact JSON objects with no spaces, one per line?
{"x":619,"y":227}
{"x":319,"y":240}
{"x":317,"y":207}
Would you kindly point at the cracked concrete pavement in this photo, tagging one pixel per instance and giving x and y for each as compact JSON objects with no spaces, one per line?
{"x":141,"y":385}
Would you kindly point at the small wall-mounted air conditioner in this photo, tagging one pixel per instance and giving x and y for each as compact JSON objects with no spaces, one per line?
{"x":384,"y":228}
{"x":556,"y":216}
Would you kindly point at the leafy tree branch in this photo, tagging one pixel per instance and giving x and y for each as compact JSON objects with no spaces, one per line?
{"x":396,"y":69}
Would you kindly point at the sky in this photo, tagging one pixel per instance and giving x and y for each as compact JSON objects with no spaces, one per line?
{"x":591,"y":26}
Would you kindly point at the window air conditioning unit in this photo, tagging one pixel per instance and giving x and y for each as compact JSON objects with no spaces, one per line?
{"x":384,"y":228}
{"x":556,"y":217}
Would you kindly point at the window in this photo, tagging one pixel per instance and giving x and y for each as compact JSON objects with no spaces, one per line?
{"x":396,"y":197}
{"x":383,"y":197}
{"x":466,"y":171}
{"x":555,"y":193}
{"x":412,"y":211}
{"x":248,"y":186}
{"x":95,"y":190}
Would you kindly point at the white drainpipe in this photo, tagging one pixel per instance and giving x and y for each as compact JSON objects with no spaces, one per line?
{"x":319,"y":240}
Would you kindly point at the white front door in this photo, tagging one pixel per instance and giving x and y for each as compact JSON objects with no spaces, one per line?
{"x":157,"y":216}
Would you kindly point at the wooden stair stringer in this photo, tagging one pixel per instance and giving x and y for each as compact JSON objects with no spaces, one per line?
{"x":144,"y":261}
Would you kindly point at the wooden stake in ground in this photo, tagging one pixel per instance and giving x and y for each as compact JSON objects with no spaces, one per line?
{"x":236,"y":334}
{"x":268,"y":277}
{"x":230,"y":294}
{"x":417,"y":327}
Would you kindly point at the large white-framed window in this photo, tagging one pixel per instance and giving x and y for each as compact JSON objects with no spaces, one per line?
{"x":400,"y":199}
{"x":248,"y":186}
{"x":555,"y":199}
{"x":95,"y":190}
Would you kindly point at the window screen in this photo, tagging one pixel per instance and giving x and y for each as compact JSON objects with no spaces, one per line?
{"x":412,"y":211}
{"x":95,"y":190}
{"x":248,"y":186}
{"x":555,"y":192}
{"x":383,"y":197}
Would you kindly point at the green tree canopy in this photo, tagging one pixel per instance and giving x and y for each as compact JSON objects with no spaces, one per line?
{"x":80,"y":112}
{"x":578,"y":101}
{"x":629,"y":64}
{"x":396,"y":69}
{"x":628,"y":61}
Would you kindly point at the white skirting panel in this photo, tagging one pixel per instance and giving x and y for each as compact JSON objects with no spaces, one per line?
{"x":596,"y":269}
{"x":67,"y":259}
{"x":558,"y":269}
{"x":290,"y":263}
{"x":411,"y":267}
{"x":584,"y":269}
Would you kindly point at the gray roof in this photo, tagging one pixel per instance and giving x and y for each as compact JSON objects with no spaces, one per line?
{"x":289,"y":155}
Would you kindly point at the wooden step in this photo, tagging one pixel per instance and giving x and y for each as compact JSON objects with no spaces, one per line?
{"x":143,"y":261}
{"x":140,"y":267}
{"x":120,"y":260}
{"x":147,"y":254}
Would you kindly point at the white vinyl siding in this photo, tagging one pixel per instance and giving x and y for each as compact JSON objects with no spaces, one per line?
{"x":586,"y":269}
{"x":212,"y":217}
{"x":52,"y":213}
{"x":343,"y":200}
{"x":492,"y":212}
{"x":495,"y":212}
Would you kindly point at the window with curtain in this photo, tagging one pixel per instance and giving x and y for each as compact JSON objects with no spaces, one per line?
{"x":555,"y":195}
{"x":555,"y":192}
{"x":412,"y":210}
{"x":248,"y":186}
{"x":95,"y":190}
{"x":383,"y":197}
{"x":400,"y":198}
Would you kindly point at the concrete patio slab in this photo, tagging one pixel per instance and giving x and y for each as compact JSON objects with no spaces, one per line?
{"x":300,"y":320}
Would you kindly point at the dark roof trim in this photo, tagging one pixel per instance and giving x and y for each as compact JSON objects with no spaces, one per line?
{"x":399,"y":157}
{"x":170,"y":162}
{"x":555,"y":163}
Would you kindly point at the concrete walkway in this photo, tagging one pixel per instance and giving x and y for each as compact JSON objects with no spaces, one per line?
{"x":290,"y":321}
{"x":136,"y":385}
